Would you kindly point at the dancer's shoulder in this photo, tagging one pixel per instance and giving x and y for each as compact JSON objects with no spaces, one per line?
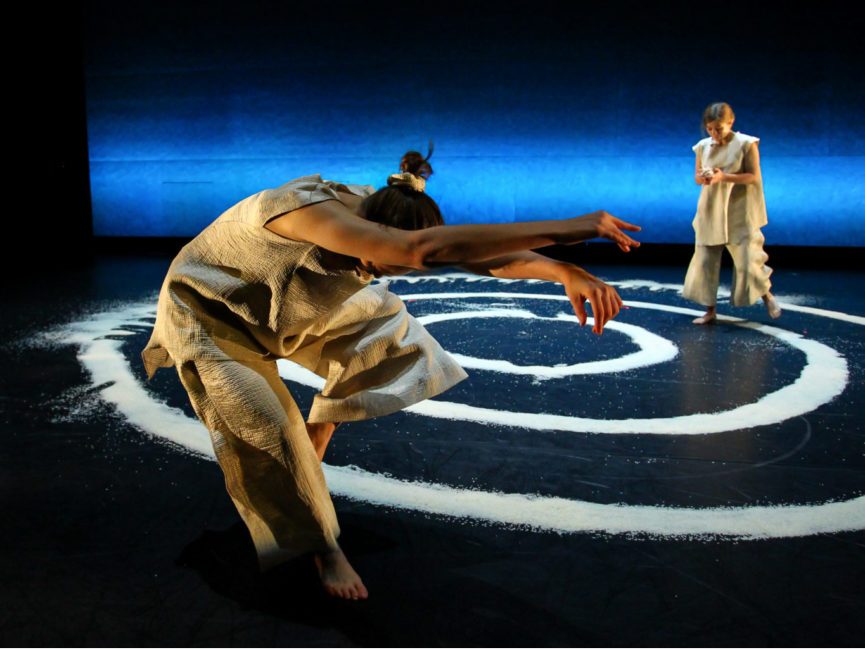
{"x":706,"y":141}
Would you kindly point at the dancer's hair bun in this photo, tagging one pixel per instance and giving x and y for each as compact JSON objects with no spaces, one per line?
{"x":414,"y":163}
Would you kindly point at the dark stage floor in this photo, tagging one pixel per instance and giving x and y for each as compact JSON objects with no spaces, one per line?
{"x":664,"y":484}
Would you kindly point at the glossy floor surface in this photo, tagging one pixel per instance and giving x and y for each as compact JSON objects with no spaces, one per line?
{"x":664,"y":484}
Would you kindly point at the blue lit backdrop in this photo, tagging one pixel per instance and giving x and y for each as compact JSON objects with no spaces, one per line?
{"x":536,"y":112}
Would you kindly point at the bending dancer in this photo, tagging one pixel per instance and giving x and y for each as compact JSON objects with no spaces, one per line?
{"x":730,"y":213}
{"x":286,"y":273}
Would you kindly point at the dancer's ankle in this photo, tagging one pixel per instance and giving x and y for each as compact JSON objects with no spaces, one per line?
{"x":707,"y":317}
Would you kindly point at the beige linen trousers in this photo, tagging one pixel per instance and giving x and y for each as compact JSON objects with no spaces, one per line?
{"x":237,"y":298}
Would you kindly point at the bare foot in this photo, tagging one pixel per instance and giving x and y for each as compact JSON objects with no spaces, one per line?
{"x":320,"y":434}
{"x":707,"y":317}
{"x":338,"y":577}
{"x":772,"y":306}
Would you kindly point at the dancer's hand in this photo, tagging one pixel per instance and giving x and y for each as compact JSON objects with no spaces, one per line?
{"x":606,"y":303}
{"x":717,"y":176}
{"x":609,"y":227}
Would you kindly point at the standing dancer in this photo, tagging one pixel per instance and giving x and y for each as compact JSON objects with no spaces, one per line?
{"x":285,"y":273}
{"x":730,"y":213}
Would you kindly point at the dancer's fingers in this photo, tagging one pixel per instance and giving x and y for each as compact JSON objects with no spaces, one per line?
{"x":578,"y":303}
{"x":612,"y":306}
{"x":598,"y":312}
{"x":608,"y":306}
{"x":625,"y":242}
{"x":627,"y":226}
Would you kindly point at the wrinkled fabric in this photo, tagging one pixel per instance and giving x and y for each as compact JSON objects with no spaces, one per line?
{"x":237,"y":298}
{"x":728,"y":215}
{"x":750,"y":280}
{"x":727,"y":212}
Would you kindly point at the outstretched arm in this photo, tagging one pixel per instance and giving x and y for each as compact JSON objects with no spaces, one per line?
{"x":579,"y":285}
{"x":460,"y":244}
{"x":332,"y":226}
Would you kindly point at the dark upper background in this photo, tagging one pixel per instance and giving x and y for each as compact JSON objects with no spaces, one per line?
{"x":537,"y":109}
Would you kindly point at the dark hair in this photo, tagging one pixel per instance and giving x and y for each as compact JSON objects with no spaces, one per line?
{"x":414,"y":163}
{"x":400,"y":206}
{"x":718,"y":111}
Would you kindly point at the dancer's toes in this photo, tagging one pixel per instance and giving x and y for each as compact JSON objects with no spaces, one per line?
{"x":338,"y":577}
{"x":772,"y":308}
{"x":706,"y":318}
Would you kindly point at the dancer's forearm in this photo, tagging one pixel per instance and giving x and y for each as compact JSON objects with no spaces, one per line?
{"x":467,"y":244}
{"x":522,"y":265}
{"x":739,"y":179}
{"x":579,"y":285}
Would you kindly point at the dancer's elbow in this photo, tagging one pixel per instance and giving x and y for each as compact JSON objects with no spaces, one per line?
{"x":431,"y":248}
{"x":426,"y":250}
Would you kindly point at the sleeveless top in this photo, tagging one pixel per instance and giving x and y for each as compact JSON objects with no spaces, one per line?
{"x":239,"y":290}
{"x":727,"y":212}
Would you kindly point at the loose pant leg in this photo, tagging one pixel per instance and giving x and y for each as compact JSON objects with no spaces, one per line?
{"x":750,"y":272}
{"x":703,"y":276}
{"x":271,"y":470}
{"x":376,"y":359}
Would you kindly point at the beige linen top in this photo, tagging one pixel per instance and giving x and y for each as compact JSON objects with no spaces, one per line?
{"x":238,"y":291}
{"x":727,"y":212}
